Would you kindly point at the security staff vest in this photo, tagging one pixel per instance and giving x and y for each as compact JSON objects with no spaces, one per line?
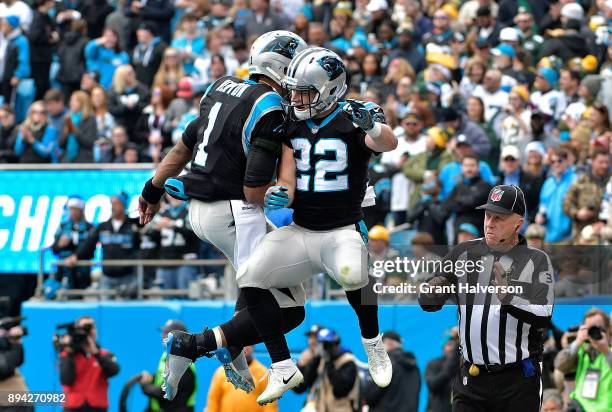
{"x":158,"y":379}
{"x":602,"y":401}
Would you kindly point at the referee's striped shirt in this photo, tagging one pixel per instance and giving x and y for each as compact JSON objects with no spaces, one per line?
{"x":491,"y":331}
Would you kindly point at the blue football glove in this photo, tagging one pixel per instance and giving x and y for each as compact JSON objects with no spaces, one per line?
{"x":276,"y":197}
{"x":361,"y":116}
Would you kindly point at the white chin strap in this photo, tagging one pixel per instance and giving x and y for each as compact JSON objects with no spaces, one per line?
{"x":301,"y":114}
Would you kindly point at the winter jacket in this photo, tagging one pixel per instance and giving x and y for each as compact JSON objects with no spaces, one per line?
{"x":124,"y":115}
{"x":402,"y":392}
{"x":531,"y":186}
{"x":450,"y":175}
{"x":146,"y":60}
{"x":71,"y":54}
{"x":558,"y":224}
{"x":415,"y":167}
{"x":475,"y":136}
{"x":566,"y":47}
{"x":439,"y":376}
{"x":156,"y":12}
{"x":104,"y":61}
{"x":463,"y":201}
{"x":44,"y":149}
{"x":16,"y":62}
{"x":39,"y":36}
{"x":587,"y":191}
{"x":78,"y":145}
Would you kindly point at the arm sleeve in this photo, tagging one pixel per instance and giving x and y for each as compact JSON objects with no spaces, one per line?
{"x":536,"y":307}
{"x":108,"y":362}
{"x":341,"y":379}
{"x":190,"y":135}
{"x":91,"y":55}
{"x":310,"y":374}
{"x":266,"y":147}
{"x":87,"y":248}
{"x":67,"y":369}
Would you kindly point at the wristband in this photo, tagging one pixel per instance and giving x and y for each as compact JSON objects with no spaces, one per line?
{"x":152,"y":194}
{"x":376,"y":131}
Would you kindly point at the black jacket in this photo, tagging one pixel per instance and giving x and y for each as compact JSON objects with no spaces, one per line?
{"x":146,"y":62}
{"x":86,"y":134}
{"x":39,"y":36}
{"x":402,"y":394}
{"x":122,"y":244}
{"x":566,"y":47}
{"x":464,"y":199}
{"x":530,"y":185}
{"x":439,"y":376}
{"x":71,"y":54}
{"x":429,"y":220}
{"x":123,"y":114}
{"x":158,"y":13}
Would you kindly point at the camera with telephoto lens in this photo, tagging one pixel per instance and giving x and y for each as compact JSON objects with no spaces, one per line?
{"x":595,"y":332}
{"x":10,"y":322}
{"x":78,"y":336}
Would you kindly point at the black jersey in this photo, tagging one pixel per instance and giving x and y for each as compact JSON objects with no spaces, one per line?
{"x":331,"y":169}
{"x":232,"y":113}
{"x":178,"y":240}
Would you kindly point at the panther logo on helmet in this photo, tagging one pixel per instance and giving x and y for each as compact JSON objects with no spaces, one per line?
{"x":332,"y":66}
{"x":283,"y":45}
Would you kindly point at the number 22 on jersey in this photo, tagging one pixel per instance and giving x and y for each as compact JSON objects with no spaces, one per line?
{"x":201,"y":155}
{"x":302,"y":149}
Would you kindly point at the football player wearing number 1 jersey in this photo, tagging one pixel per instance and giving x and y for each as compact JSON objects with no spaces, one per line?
{"x":327,"y":148}
{"x":234,"y":143}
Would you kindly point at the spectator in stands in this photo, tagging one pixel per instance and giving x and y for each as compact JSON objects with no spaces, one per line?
{"x":37,"y":139}
{"x":569,"y":82}
{"x":550,"y":211}
{"x":70,"y":234}
{"x":440,"y":374}
{"x":170,"y":71}
{"x":127,"y":98}
{"x":178,"y":241}
{"x":222,"y":396}
{"x":104,"y":55}
{"x":149,"y":132}
{"x":434,"y":158}
{"x":71,"y":56}
{"x":570,"y":43}
{"x":330,"y":377}
{"x":43,"y":36}
{"x":583,"y":199}
{"x":179,"y":105}
{"x":189,"y":42}
{"x":545,"y":96}
{"x":56,"y":109}
{"x":378,"y":244}
{"x":536,"y":155}
{"x":491,"y":93}
{"x":535,"y":235}
{"x":112,"y":151}
{"x":467,"y":231}
{"x":474,"y":135}
{"x":203,"y":65}
{"x":17,"y":8}
{"x":119,"y":239}
{"x":156,"y":14}
{"x":590,"y":358}
{"x":424,"y":215}
{"x":94,"y":13}
{"x":516,"y":121}
{"x":474,"y":74}
{"x":406,"y":382}
{"x":264,"y":19}
{"x":151,"y":385}
{"x":311,"y":347}
{"x":148,"y":54}
{"x":471,"y":191}
{"x":85,"y":370}
{"x":511,"y":173}
{"x":449,"y":176}
{"x":90,"y":80}
{"x":16,"y":56}
{"x":80,"y":130}
{"x":7,"y":135}
{"x":408,"y":48}
{"x":132,"y":154}
{"x":105,"y":122}
{"x":475,"y":113}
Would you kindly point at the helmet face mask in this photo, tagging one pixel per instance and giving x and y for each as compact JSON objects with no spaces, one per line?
{"x":315,"y":81}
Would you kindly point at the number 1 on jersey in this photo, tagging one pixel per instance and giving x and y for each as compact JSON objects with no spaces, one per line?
{"x":201,"y":155}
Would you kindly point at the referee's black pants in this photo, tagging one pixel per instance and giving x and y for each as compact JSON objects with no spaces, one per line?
{"x":506,"y":390}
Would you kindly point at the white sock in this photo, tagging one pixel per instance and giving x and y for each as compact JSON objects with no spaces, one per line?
{"x":287,"y":363}
{"x":371,"y":341}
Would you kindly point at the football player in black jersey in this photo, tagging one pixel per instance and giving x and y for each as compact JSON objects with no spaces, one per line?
{"x":327,"y":149}
{"x":240,"y":125}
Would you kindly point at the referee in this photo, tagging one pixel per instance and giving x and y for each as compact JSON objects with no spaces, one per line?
{"x":504,"y":293}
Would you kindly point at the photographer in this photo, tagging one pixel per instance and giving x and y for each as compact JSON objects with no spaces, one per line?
{"x":590,"y":357}
{"x":331,"y":375}
{"x":85,"y":368}
{"x":11,"y":356}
